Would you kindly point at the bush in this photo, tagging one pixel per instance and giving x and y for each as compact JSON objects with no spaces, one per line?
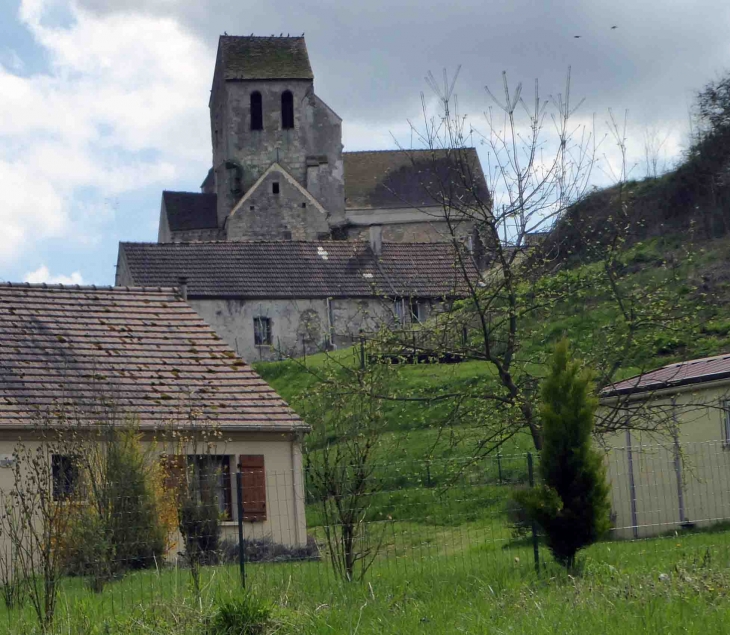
{"x":572,"y":505}
{"x":116,"y":528}
{"x":244,"y":615}
{"x":137,"y":536}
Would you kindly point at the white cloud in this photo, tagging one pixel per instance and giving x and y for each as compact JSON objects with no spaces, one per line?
{"x":123,"y":106}
{"x":42,"y":274}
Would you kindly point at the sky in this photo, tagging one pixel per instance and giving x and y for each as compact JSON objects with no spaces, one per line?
{"x":103,"y":103}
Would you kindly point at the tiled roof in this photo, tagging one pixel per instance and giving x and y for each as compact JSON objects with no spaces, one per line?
{"x":694,"y":371}
{"x":409,"y":178}
{"x":249,"y":57}
{"x":209,"y":180}
{"x":190,"y":210}
{"x":293,"y":269}
{"x":64,"y":349}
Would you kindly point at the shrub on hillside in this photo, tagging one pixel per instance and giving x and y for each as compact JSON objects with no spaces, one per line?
{"x":572,"y":504}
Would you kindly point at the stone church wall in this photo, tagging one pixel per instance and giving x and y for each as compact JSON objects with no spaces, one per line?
{"x":425,"y":232}
{"x":298,"y":326}
{"x":314,"y":142}
{"x":288,"y":215}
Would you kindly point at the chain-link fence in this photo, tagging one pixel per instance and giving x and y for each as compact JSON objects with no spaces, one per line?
{"x":212,"y":529}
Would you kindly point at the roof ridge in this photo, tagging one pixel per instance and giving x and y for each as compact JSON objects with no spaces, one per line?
{"x":186,"y":192}
{"x":84,"y":287}
{"x":263,"y":241}
{"x":407,"y":150}
{"x":263,"y":37}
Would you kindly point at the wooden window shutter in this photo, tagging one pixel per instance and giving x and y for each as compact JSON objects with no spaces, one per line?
{"x":253,"y":486}
{"x":175,"y":468}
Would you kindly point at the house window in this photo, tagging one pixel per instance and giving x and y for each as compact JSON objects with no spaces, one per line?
{"x":65,"y":474}
{"x":726,"y":422}
{"x":275,"y":187}
{"x":287,"y":110}
{"x":399,"y":310}
{"x":262,"y":331}
{"x":417,"y":311}
{"x":257,"y":112}
{"x":211,"y":481}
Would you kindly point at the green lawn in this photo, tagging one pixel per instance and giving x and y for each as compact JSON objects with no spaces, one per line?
{"x":440,"y":578}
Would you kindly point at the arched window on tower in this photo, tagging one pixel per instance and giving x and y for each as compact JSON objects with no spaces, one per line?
{"x":287,"y":110}
{"x":257,"y":112}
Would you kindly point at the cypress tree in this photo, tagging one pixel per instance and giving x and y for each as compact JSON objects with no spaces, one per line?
{"x":572,"y":505}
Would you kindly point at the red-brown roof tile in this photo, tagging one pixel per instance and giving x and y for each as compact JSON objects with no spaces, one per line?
{"x":63,"y":349}
{"x":298,"y":269}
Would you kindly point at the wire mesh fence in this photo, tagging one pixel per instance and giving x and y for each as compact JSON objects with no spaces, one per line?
{"x":278,"y":530}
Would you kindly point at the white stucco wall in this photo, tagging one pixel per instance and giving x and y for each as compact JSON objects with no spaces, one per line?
{"x":285,"y":511}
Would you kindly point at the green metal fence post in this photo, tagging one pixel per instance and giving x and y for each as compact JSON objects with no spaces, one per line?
{"x":241,"y":553}
{"x":535,"y":545}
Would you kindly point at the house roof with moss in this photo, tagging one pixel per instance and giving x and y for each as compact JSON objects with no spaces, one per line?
{"x":67,"y":352}
{"x":378,"y":179}
{"x":255,"y":57}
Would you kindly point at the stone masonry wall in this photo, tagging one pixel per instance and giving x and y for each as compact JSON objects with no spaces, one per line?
{"x":288,"y":215}
{"x":297,"y":325}
{"x":315,"y":139}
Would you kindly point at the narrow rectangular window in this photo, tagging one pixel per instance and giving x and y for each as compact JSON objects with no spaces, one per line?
{"x":399,"y":310}
{"x":253,"y":487}
{"x":275,"y":188}
{"x":262,"y":331}
{"x":65,"y":476}
{"x":287,"y":110}
{"x":257,"y":112}
{"x":726,"y":422}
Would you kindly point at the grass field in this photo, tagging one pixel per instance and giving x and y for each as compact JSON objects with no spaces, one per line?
{"x":674,"y":584}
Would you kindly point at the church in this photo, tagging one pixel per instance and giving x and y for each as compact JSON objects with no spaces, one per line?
{"x":293,"y":245}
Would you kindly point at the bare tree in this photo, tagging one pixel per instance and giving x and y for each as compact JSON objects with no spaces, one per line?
{"x":349,"y":422}
{"x":34,"y":518}
{"x":515,"y":278}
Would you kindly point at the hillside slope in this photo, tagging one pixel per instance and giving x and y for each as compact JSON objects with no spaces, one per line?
{"x":426,"y":429}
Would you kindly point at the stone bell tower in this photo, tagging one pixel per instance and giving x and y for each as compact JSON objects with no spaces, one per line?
{"x":277,"y":147}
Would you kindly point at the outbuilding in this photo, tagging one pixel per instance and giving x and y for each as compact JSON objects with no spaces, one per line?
{"x":669,"y":461}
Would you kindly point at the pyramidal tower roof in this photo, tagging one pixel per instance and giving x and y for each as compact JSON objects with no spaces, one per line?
{"x":253,"y":57}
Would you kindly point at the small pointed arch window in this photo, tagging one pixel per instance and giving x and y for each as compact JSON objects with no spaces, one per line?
{"x":287,"y":110}
{"x":257,"y":111}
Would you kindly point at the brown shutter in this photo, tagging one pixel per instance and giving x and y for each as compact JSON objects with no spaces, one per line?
{"x":253,"y":486}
